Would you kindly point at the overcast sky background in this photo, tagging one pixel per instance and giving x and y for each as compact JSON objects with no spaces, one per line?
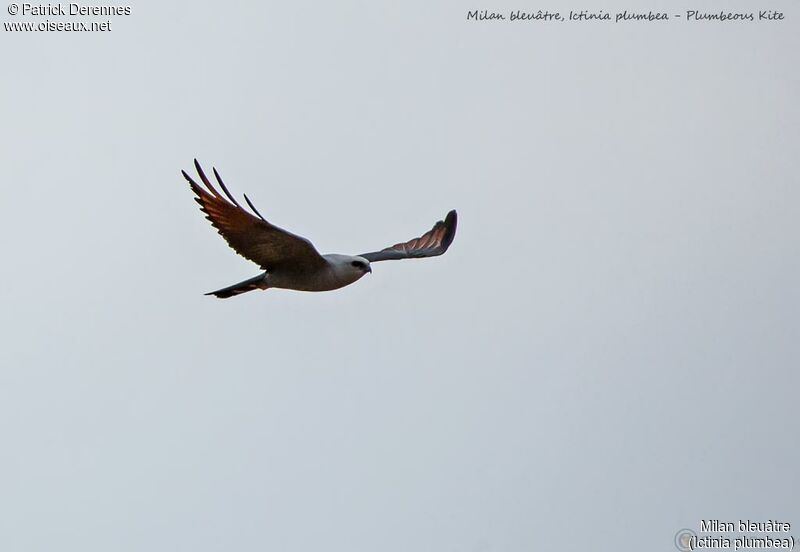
{"x":608,"y":353}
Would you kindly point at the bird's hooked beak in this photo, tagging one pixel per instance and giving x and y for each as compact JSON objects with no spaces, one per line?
{"x":369,"y":269}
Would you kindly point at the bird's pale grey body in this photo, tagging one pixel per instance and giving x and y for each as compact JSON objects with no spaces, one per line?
{"x":290,"y":261}
{"x":341,"y":270}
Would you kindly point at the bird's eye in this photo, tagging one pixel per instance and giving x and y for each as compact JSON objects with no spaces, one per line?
{"x":357,"y":264}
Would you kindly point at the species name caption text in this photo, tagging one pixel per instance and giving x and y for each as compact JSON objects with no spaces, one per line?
{"x":743,"y":534}
{"x":600,"y":16}
{"x":63,"y":10}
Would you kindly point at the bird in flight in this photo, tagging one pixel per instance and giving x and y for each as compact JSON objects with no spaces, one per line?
{"x":292,"y":262}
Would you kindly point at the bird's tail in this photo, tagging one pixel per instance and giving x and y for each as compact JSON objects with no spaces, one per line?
{"x":256,"y":282}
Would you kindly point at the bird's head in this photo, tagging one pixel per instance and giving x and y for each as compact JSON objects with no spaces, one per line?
{"x":361,"y":264}
{"x":348,"y":268}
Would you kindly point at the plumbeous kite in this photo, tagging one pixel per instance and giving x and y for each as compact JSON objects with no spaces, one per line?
{"x":292,"y":262}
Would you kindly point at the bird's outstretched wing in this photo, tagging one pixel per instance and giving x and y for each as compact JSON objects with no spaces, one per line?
{"x":430,"y":244}
{"x":250,"y":235}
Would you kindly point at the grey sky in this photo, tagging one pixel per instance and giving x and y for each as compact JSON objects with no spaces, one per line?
{"x":607,"y":354}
